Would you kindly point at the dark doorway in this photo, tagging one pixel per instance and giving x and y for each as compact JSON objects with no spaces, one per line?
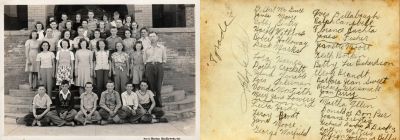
{"x":169,"y":15}
{"x":15,"y":17}
{"x":99,"y":10}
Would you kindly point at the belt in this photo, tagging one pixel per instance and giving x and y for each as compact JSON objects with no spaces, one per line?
{"x":153,"y":63}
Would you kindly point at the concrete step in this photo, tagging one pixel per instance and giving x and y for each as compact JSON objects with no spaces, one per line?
{"x":167,"y":89}
{"x":173,"y":96}
{"x":180,"y":114}
{"x":17,"y":108}
{"x":18,"y":100}
{"x":14,"y":118}
{"x":22,"y":93}
{"x":189,"y":102}
{"x":24,"y":87}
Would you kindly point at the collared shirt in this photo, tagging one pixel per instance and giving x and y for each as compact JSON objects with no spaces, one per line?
{"x":155,"y":54}
{"x":64,"y":95}
{"x":102,"y":58}
{"x":56,"y":33}
{"x":65,"y":57}
{"x":41,"y":35}
{"x":110,"y":100}
{"x":41,"y":101}
{"x":119,"y":60}
{"x":111,"y":42}
{"x":52,"y":41}
{"x":144,"y":98}
{"x":129,"y":43}
{"x":145,"y":42}
{"x":92,"y":24}
{"x":130,"y":99}
{"x":45,"y":59}
{"x":88,"y":100}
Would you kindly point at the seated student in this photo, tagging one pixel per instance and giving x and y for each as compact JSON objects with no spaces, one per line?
{"x":88,"y":113}
{"x":147,"y":103}
{"x":110,"y":103}
{"x":40,"y":109}
{"x":64,"y":106}
{"x":130,"y":104}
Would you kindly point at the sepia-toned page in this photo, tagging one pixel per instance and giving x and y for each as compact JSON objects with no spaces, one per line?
{"x":301,"y":70}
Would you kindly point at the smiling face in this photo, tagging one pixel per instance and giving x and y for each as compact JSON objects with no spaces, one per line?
{"x":53,"y":25}
{"x":67,"y":35}
{"x":64,"y":88}
{"x":84,"y":24}
{"x":110,"y":87}
{"x":96,"y":34}
{"x":127,"y":34}
{"x":153,"y":37}
{"x":138,"y":46}
{"x":129,"y":87}
{"x":89,"y":88}
{"x":49,"y":32}
{"x":45,"y":47}
{"x":119,"y":46}
{"x":102,"y":45}
{"x":64,"y":44}
{"x":143,"y":86}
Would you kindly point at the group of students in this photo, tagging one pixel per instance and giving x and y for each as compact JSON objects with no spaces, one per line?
{"x":94,"y":51}
{"x":136,"y":107}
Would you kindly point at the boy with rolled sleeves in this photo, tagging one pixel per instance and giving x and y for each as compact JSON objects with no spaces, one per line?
{"x":88,"y":113}
{"x":41,"y":107}
{"x":110,"y":103}
{"x":130,"y":104}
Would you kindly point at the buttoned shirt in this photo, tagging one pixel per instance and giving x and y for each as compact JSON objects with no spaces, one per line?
{"x":111,"y":42}
{"x":156,"y":53}
{"x":130,"y":99}
{"x":101,"y":58}
{"x":88,"y":100}
{"x":110,"y":100}
{"x":41,"y":101}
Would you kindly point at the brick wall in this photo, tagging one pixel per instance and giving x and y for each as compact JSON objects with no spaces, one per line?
{"x":179,"y":70}
{"x":144,"y":15}
{"x":14,"y":59}
{"x":36,"y":13}
{"x":189,"y":11}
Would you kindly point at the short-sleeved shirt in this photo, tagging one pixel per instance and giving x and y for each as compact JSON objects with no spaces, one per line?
{"x":110,"y":100}
{"x":56,"y":34}
{"x":144,"y":98}
{"x":145,"y":42}
{"x":129,"y":44}
{"x":102,"y":58}
{"x":88,"y":100}
{"x":65,"y":57}
{"x":41,"y":101}
{"x":52,"y":41}
{"x":111,"y":42}
{"x":45,"y":59}
{"x":92,"y":24}
{"x":119,"y":59}
{"x":155,"y":54}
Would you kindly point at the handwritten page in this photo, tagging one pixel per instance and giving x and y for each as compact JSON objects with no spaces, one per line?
{"x":301,"y":70}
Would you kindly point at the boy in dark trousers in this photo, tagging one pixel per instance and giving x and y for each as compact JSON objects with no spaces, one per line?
{"x":65,"y":105}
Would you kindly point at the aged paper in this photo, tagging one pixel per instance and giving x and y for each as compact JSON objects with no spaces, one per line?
{"x":300,"y":70}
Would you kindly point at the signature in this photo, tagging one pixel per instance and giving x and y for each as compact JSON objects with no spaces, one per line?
{"x":241,"y":55}
{"x":223,"y":28}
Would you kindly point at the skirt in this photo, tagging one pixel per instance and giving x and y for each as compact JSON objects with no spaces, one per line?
{"x":64,"y":73}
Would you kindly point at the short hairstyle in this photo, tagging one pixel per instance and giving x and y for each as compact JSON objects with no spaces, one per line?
{"x":88,"y":83}
{"x":37,"y":34}
{"x":144,"y":81}
{"x":38,"y":22}
{"x":113,"y":27}
{"x":63,"y":34}
{"x":98,"y":42}
{"x":116,"y":13}
{"x":67,"y":22}
{"x":123,"y":46}
{"x":69,"y":45}
{"x":152,"y":32}
{"x":128,"y":31}
{"x":64,"y":82}
{"x":137,"y":42}
{"x":90,"y":11}
{"x":41,"y":85}
{"x":137,"y":25}
{"x":83,"y":21}
{"x":83,"y":40}
{"x":110,"y":81}
{"x":129,"y":82}
{"x":41,"y":44}
{"x":64,"y":14}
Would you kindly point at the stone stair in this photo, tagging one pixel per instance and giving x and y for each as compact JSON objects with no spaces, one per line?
{"x":178,"y":104}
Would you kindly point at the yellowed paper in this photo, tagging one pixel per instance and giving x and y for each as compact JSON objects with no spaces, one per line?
{"x":300,"y":70}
